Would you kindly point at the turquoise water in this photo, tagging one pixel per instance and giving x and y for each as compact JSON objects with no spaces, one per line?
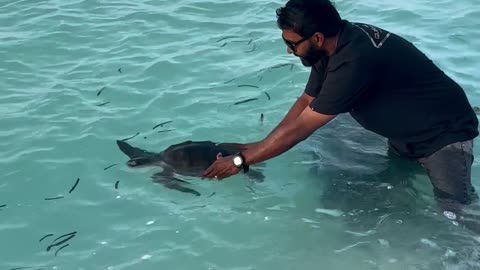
{"x":332,"y":202}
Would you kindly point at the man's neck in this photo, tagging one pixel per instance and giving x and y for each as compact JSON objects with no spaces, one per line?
{"x":331,"y":44}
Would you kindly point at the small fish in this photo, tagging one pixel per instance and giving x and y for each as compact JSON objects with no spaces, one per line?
{"x":99,"y":92}
{"x":351,"y":246}
{"x":3,"y":205}
{"x":54,"y":198}
{"x":64,"y":246}
{"x":108,"y":167}
{"x":268,"y":96}
{"x":245,"y":101}
{"x":167,"y":130}
{"x":161,"y":124}
{"x":126,"y":139}
{"x":237,"y":41}
{"x":247,"y":85}
{"x":48,"y":235}
{"x":120,"y":70}
{"x":102,"y":104}
{"x":223,"y":45}
{"x":253,"y":49}
{"x":63,"y":235}
{"x":68,"y":237}
{"x":32,"y":267}
{"x":251,"y":189}
{"x":279,"y":66}
{"x":227,"y":37}
{"x":75,"y":185}
{"x":194,"y":207}
{"x":213,"y":193}
{"x":229,"y":81}
{"x":261,"y":117}
{"x":116,"y":184}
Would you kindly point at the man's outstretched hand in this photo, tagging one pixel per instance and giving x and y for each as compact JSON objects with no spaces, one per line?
{"x":222,"y":168}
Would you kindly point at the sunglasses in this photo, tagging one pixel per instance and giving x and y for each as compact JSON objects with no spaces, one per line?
{"x":293,"y":45}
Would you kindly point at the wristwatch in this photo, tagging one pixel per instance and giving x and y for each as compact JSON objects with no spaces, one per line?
{"x":239,"y":161}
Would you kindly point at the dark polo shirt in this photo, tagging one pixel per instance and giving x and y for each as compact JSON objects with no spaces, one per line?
{"x":393,"y":89}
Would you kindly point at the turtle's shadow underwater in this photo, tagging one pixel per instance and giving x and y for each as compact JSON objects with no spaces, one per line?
{"x":189,"y":158}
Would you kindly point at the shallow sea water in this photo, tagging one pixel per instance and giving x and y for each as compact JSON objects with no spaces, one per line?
{"x":332,"y":202}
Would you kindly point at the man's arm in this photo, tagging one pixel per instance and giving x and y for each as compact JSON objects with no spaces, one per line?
{"x":286,"y":135}
{"x":338,"y":95}
{"x":298,"y":107}
{"x":280,"y":140}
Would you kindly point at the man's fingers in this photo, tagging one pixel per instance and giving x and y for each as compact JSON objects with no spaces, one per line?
{"x":222,"y":174}
{"x":220,"y":169}
{"x":228,"y":171}
{"x":209,"y":171}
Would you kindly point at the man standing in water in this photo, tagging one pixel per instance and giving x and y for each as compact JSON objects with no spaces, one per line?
{"x":386,"y":84}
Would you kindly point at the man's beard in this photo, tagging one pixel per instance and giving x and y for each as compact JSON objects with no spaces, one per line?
{"x":312,"y":56}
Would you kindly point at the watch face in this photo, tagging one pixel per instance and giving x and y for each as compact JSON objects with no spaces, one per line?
{"x":237,"y":161}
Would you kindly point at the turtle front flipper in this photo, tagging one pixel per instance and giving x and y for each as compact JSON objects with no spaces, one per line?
{"x":169,"y":181}
{"x":133,"y":152}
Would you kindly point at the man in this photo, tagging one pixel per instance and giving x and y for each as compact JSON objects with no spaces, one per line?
{"x":385,"y":83}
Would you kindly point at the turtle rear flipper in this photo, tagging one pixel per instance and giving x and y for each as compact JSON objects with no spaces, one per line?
{"x":177,"y":186}
{"x":255,"y":175}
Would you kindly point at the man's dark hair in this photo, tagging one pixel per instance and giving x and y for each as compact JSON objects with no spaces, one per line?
{"x":305,"y":17}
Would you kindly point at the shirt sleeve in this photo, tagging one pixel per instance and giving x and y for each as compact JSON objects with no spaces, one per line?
{"x":343,"y":86}
{"x":315,"y":81}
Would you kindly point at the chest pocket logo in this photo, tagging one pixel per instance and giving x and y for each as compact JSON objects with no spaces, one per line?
{"x":376,"y":35}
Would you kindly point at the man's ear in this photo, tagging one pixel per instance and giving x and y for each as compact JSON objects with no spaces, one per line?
{"x":318,"y":39}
